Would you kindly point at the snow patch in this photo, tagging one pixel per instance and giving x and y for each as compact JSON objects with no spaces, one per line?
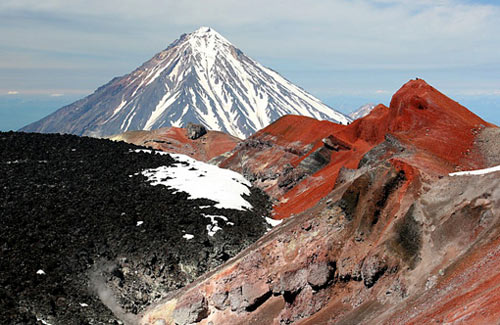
{"x":164,"y":103}
{"x":477,"y":171}
{"x":214,"y":226}
{"x":273,"y":222}
{"x":119,"y":107}
{"x":211,"y":230}
{"x":203,"y":181}
{"x":163,"y":153}
{"x":212,"y":218}
{"x":362,"y":111}
{"x":42,"y":321}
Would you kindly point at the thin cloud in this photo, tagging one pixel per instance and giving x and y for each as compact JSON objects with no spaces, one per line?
{"x":480,"y":92}
{"x":48,"y":92}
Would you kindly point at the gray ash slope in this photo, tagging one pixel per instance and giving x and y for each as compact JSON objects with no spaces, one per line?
{"x":200,"y":78}
{"x":69,"y":207}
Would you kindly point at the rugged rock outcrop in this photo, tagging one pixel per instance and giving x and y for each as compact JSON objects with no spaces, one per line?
{"x":270,"y":158}
{"x":195,"y":131}
{"x":414,"y":265}
{"x":393,"y":238}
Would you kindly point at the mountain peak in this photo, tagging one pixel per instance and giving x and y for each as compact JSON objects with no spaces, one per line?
{"x":204,"y":30}
{"x":207,"y":32}
{"x":200,"y":78}
{"x":206,"y":41}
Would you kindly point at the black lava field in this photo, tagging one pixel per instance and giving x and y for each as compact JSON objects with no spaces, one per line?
{"x":85,"y":239}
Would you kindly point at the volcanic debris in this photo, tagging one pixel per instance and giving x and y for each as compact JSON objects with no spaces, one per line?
{"x":84,"y":239}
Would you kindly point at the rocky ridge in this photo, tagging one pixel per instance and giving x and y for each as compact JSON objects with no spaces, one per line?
{"x":204,"y":147}
{"x":427,"y":129}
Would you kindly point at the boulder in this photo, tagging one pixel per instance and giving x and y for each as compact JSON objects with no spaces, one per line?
{"x":193,"y":308}
{"x":195,"y":131}
{"x":334,"y":143}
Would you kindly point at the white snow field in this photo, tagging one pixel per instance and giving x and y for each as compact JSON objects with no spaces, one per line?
{"x":203,"y":181}
{"x":477,"y":171}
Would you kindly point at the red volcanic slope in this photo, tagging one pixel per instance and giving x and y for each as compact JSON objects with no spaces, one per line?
{"x":424,"y":117}
{"x":284,"y":143}
{"x":297,"y":133}
{"x":397,"y":241}
{"x":419,"y":116}
{"x":175,"y":140}
{"x":292,"y":128}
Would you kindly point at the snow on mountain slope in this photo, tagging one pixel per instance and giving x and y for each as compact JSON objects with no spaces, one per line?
{"x":200,"y":78}
{"x":477,"y":171}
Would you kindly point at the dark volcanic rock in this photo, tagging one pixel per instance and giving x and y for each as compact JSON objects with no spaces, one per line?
{"x":85,"y":239}
{"x":195,"y":131}
{"x":317,"y":160}
{"x":334,"y":143}
{"x":391,"y":145}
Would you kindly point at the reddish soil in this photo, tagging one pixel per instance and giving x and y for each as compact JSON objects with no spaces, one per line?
{"x":472,"y":291}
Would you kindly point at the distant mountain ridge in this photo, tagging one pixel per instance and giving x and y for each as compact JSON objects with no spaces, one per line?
{"x":362,"y":111}
{"x":201,"y":78}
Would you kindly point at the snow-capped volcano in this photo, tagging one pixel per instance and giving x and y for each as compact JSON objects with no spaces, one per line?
{"x":200,"y":78}
{"x":362,"y":111}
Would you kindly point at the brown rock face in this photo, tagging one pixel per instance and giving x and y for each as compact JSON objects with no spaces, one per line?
{"x":194,"y":141}
{"x":391,"y":239}
{"x":191,"y":309}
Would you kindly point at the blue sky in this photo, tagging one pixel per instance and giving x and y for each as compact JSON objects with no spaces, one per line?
{"x":346,"y":53}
